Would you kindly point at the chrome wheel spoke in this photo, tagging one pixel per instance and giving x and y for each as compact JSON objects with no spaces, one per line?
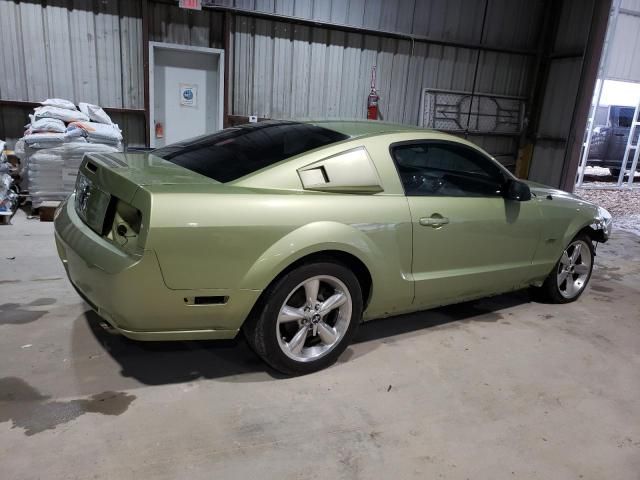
{"x":571,"y":288}
{"x":290,"y":314}
{"x":334,"y":301}
{"x":311,"y":288}
{"x":327,"y":334}
{"x":297,"y":342}
{"x":581,"y":269}
{"x":564,"y":260}
{"x":576,"y":253}
{"x":562,"y":276}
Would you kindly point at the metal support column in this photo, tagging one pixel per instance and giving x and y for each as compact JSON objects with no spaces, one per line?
{"x":602,"y":73}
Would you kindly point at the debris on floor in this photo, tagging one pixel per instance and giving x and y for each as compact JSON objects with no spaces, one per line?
{"x":8,"y":189}
{"x":623,"y":204}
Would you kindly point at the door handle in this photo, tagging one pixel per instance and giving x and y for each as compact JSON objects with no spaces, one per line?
{"x":434,"y":221}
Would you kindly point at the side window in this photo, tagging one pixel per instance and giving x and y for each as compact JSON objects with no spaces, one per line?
{"x":446,"y":170}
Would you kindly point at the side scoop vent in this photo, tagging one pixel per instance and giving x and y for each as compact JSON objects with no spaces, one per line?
{"x":347,"y":172}
{"x":206,"y":300}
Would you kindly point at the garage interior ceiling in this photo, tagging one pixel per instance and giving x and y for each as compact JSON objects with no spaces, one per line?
{"x":311,"y":59}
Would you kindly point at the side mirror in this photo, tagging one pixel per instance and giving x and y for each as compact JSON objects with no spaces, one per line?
{"x":518,"y":191}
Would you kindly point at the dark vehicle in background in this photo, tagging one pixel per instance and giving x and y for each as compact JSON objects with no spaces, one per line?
{"x":610,"y":136}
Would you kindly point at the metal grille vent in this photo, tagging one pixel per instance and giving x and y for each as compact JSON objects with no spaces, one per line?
{"x":449,"y":111}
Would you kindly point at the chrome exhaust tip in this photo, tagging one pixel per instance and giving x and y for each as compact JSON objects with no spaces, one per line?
{"x":106,"y":326}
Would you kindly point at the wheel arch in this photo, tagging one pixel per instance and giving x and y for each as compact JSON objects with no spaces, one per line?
{"x":333,"y":239}
{"x":321,"y":241}
{"x":375,"y":259}
{"x":357,"y":266}
{"x":596,"y":235}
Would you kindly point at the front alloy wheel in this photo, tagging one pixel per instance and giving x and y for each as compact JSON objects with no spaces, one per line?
{"x":307,"y":318}
{"x":574,"y":269}
{"x":568,"y":279}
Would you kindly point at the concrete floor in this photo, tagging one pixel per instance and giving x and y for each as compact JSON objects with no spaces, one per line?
{"x":501,"y":388}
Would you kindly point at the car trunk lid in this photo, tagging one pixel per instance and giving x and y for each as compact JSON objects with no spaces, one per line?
{"x":106,"y":180}
{"x":142,"y":169}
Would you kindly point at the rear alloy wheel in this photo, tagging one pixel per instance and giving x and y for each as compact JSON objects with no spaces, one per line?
{"x":309,"y":318}
{"x":571,"y":274}
{"x":314,"y":318}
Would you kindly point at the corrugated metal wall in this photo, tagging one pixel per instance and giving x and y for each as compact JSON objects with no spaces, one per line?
{"x":624,"y":53}
{"x":282,"y":70}
{"x":88,"y":51}
{"x":81,"y":50}
{"x":561,"y":92}
{"x":91,"y":50}
{"x":509,"y":22}
{"x":171,"y":24}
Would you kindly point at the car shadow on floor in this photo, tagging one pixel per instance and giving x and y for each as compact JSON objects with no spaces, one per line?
{"x":159,"y":363}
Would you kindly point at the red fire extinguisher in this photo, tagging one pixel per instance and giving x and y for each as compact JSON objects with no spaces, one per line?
{"x":372,"y":99}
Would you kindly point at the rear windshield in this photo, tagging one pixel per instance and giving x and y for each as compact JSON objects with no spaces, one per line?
{"x":235,"y":152}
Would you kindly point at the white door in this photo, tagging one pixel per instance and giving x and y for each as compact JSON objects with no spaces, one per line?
{"x":186,"y":92}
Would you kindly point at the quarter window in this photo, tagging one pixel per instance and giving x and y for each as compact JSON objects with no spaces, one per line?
{"x":233,"y":153}
{"x":447,"y":170}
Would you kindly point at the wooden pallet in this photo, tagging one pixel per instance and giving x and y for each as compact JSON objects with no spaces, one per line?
{"x":46,"y":211}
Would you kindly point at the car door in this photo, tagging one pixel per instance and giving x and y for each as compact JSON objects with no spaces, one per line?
{"x":468,"y":240}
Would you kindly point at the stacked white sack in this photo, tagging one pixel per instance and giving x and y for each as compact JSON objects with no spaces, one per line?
{"x":55,"y":142}
{"x":95,"y":113}
{"x":53,"y":171}
{"x":95,"y":132}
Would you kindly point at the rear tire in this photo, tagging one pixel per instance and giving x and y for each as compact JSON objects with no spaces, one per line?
{"x":306,"y":318}
{"x":571,"y":274}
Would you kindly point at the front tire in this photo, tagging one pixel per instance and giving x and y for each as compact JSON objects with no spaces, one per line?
{"x":572,"y":272}
{"x":307,"y":318}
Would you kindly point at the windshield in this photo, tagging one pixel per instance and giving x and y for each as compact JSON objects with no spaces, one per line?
{"x":235,"y":152}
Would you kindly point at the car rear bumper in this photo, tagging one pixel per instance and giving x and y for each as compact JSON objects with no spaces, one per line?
{"x":129,"y":291}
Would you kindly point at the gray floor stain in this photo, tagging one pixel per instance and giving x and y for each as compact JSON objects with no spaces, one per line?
{"x":38,"y":302}
{"x":3,"y":282}
{"x":13,"y":314}
{"x":603,"y":298}
{"x":16,"y":314}
{"x":608,"y":273}
{"x":28,"y":409}
{"x":600,"y":288}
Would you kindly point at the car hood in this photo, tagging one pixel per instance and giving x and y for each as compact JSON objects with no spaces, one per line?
{"x":542,"y":190}
{"x":148,"y":169}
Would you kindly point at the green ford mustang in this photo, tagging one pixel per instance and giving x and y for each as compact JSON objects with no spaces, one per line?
{"x":296,"y":232}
